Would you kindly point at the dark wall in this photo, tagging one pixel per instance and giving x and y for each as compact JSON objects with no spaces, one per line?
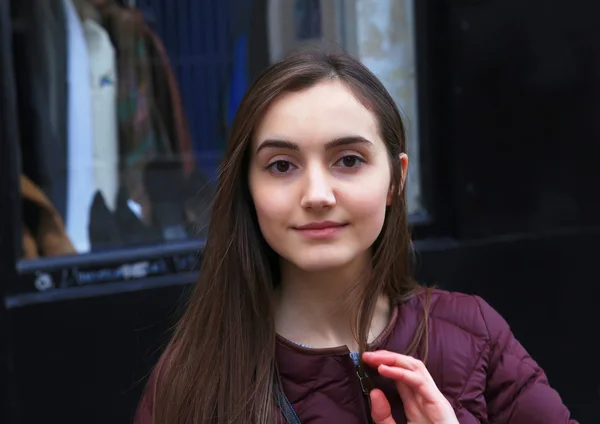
{"x":525,"y":102}
{"x":546,"y":287}
{"x":85,"y":361}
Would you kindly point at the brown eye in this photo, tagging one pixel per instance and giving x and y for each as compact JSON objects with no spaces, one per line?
{"x":280,"y":167}
{"x":350,"y":161}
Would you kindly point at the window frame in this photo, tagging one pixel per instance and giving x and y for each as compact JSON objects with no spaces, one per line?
{"x":8,"y":212}
{"x":9,"y":157}
{"x":433,"y":99}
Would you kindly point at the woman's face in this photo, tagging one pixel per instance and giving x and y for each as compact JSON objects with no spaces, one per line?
{"x":320,"y":177}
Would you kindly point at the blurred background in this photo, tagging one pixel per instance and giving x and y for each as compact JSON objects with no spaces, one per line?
{"x":113,"y":119}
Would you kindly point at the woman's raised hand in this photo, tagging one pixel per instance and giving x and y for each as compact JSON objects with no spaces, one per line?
{"x":423,"y":401}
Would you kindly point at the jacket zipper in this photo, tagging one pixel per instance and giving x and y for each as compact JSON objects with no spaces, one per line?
{"x":366,"y":386}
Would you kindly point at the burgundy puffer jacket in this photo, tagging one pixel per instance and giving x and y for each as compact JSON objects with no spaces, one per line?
{"x":474,"y":359}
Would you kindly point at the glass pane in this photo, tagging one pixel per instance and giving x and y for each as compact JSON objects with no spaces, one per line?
{"x":124,"y":106}
{"x":307,"y":19}
{"x":123,"y":113}
{"x":385,"y":34}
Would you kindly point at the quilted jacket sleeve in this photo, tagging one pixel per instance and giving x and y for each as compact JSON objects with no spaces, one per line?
{"x":517,"y":390}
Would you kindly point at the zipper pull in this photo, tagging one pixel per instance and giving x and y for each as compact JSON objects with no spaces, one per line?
{"x":366,"y":386}
{"x":365,"y":382}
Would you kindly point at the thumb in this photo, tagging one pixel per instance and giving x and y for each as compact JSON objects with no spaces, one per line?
{"x":381,"y":411}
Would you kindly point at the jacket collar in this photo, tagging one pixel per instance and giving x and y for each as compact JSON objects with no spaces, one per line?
{"x":379,"y":342}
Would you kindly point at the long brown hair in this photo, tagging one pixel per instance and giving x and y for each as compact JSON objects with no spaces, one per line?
{"x":219,"y":366}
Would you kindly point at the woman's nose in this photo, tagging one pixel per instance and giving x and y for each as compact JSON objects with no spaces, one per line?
{"x":318,"y":191}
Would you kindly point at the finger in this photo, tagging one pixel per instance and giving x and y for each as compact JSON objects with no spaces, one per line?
{"x":408,"y":377}
{"x":385,"y":357}
{"x":381,"y":411}
{"x":418,"y":382}
{"x":406,"y":394}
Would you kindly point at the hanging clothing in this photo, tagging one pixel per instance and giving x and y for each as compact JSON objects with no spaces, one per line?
{"x":142,"y":132}
{"x":103,"y":87}
{"x":110,"y":230}
{"x":168,"y":99}
{"x":153,"y":134}
{"x":81,"y":185}
{"x":43,"y":229}
{"x":40,"y":60}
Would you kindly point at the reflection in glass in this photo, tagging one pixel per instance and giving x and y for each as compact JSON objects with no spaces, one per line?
{"x":107,"y":157}
{"x":307,"y":19}
{"x":122,"y":132}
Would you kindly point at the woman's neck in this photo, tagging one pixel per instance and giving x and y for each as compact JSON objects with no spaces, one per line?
{"x":315,"y":308}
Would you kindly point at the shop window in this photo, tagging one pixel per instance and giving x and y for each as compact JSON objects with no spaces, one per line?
{"x":123,"y":108}
{"x":123,"y":113}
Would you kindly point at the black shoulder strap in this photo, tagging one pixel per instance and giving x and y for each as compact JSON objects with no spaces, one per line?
{"x":285,"y":405}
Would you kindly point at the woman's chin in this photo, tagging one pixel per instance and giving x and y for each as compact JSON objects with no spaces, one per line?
{"x":323,"y":262}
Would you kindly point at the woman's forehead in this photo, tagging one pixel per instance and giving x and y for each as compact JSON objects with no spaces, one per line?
{"x":321,"y":113}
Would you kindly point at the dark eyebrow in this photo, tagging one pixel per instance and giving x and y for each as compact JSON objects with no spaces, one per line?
{"x":338,"y":142}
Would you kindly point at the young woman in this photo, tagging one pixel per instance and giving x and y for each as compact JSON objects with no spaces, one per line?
{"x":305,"y":310}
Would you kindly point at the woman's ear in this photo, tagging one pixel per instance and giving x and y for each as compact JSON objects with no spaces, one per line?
{"x":404,"y":165}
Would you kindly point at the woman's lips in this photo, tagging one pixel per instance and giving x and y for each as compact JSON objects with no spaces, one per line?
{"x":320,"y":230}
